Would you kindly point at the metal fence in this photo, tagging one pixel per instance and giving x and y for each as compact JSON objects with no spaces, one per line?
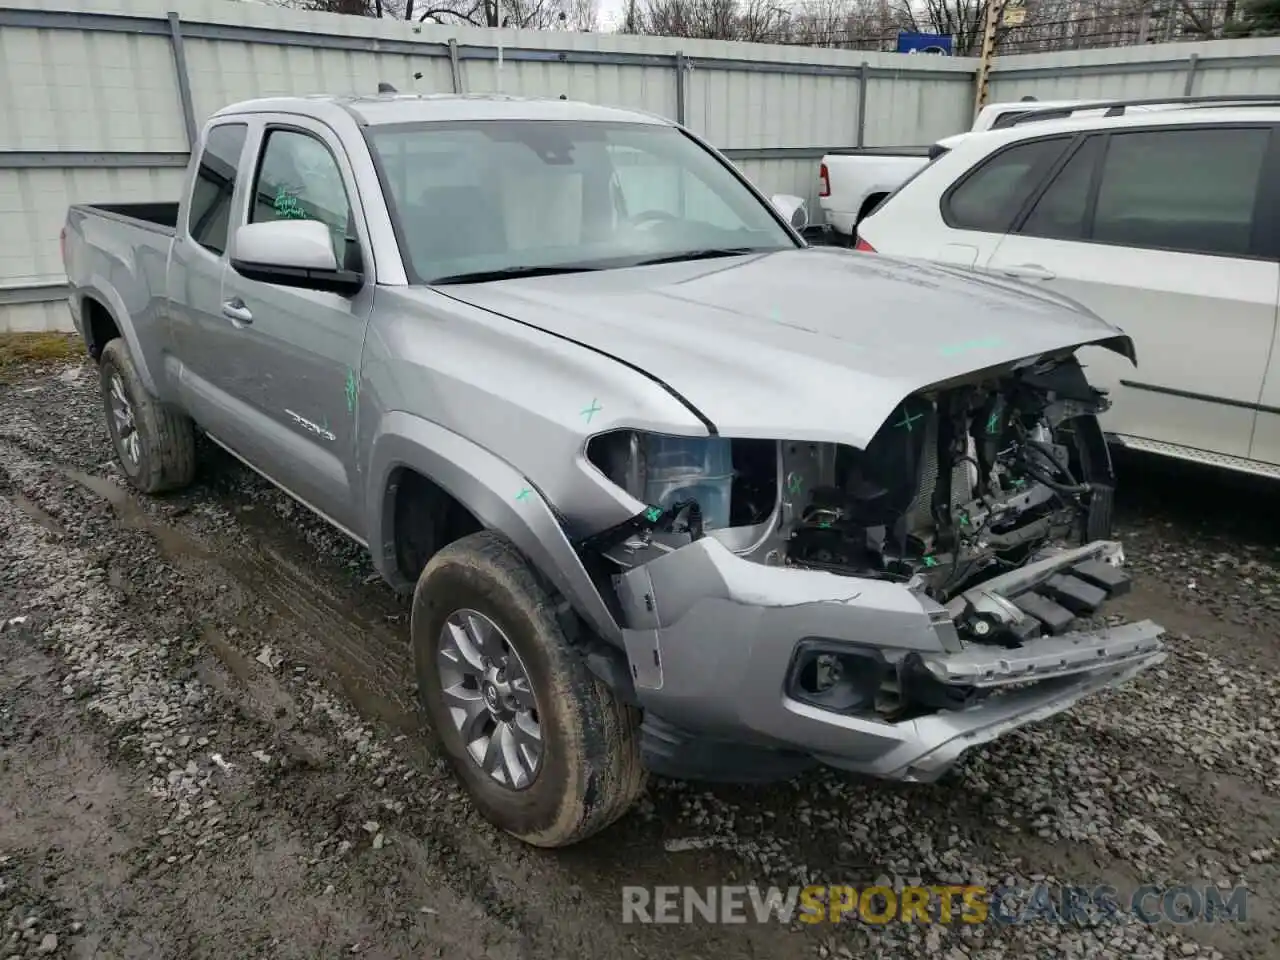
{"x":1156,"y":70}
{"x":103,"y":103}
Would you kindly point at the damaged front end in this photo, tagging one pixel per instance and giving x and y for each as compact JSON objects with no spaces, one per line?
{"x":880,"y":610}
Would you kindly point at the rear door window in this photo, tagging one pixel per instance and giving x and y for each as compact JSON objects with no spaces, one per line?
{"x":1193,"y":190}
{"x":209,"y":213}
{"x":991,"y":195}
{"x":1062,"y":210}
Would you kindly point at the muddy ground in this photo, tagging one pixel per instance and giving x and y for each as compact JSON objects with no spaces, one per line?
{"x":209,"y":748}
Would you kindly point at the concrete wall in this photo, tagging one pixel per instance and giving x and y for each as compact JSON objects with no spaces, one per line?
{"x":101,"y":104}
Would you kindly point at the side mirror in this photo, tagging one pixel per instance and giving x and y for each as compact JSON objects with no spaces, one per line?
{"x":793,"y":208}
{"x":292,"y":253}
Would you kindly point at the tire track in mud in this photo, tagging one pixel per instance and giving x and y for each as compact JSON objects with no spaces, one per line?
{"x":307,"y":626}
{"x":371,"y":662}
{"x":465,"y":869}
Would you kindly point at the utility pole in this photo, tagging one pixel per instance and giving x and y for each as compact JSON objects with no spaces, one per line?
{"x":994,"y":13}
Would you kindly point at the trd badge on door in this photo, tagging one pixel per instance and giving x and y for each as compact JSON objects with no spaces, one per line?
{"x":315,"y":428}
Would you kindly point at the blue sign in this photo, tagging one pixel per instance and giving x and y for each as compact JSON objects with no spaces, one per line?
{"x":935,"y":43}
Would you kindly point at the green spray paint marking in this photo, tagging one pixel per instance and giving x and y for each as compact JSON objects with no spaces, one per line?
{"x":825,"y":525}
{"x":930,"y":561}
{"x":993,"y":421}
{"x":592,"y":410}
{"x":794,"y":482}
{"x":287,"y":207}
{"x":907,"y":420}
{"x":353,"y":390}
{"x":524,"y":494}
{"x":966,"y":346}
{"x":653,"y":514}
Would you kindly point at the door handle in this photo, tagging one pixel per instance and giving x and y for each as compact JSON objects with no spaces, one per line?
{"x":1026,"y":271}
{"x":234,"y":309}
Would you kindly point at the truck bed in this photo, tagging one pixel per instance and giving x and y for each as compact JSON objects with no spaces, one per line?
{"x":157,"y":217}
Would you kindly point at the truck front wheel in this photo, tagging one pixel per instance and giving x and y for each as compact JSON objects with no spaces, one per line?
{"x":545,"y":749}
{"x":154,"y":443}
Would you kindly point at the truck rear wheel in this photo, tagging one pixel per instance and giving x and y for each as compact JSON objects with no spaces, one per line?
{"x":545,"y":749}
{"x":154,"y":443}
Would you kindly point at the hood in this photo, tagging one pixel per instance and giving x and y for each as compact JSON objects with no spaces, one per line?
{"x":813,"y":344}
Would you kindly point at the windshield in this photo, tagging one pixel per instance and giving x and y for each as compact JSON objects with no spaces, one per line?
{"x":481,"y":199}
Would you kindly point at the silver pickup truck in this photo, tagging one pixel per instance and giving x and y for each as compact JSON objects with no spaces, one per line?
{"x":672,"y":490}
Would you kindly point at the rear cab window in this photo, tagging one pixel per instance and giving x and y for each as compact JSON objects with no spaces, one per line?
{"x":989,"y":197}
{"x":1193,"y":190}
{"x":209,"y":212}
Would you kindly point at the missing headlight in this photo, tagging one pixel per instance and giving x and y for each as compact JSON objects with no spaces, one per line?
{"x":836,"y":677}
{"x":663,"y":470}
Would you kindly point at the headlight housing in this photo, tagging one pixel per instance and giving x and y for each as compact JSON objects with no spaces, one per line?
{"x":662,"y":470}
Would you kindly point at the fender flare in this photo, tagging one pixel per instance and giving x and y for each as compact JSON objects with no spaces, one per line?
{"x":497,"y":494}
{"x":111,"y":301}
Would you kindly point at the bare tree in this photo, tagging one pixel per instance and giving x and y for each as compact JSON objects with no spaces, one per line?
{"x":584,"y":16}
{"x":846,"y":24}
{"x":525,"y":14}
{"x":760,"y":21}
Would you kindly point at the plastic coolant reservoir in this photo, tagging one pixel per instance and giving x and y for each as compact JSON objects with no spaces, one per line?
{"x":691,"y":468}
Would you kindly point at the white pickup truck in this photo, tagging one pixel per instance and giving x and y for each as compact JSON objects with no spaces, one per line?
{"x":853,"y":182}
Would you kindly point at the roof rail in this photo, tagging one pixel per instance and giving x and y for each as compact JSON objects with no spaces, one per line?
{"x":1117,"y":108}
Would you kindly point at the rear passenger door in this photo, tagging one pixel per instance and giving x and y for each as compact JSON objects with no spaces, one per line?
{"x":979,"y":208}
{"x":199,"y":334}
{"x":1159,"y":231}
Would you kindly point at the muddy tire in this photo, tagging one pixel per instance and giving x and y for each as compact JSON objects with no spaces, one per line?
{"x":153,"y":442}
{"x":588,"y":771}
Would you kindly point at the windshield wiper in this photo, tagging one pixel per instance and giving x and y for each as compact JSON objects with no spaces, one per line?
{"x":708,"y":254}
{"x":511,"y":273}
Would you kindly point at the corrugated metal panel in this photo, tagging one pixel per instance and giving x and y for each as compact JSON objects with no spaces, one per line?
{"x":1259,"y":79}
{"x":796,"y":177}
{"x":1158,"y":70}
{"x":917,"y":112}
{"x":224,"y":72}
{"x":35,"y":317}
{"x":638,"y":88}
{"x":117,"y":93}
{"x":33,"y":208}
{"x":739,"y":109}
{"x":1090,"y":86}
{"x":66,"y":90}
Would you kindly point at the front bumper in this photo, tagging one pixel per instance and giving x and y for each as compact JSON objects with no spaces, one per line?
{"x":712,"y":639}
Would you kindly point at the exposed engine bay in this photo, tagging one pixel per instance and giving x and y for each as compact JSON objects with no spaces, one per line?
{"x":962,"y":483}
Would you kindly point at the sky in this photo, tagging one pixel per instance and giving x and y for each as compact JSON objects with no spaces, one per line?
{"x":611,"y":13}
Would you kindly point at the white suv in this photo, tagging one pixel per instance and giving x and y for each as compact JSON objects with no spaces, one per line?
{"x":1165,"y":222}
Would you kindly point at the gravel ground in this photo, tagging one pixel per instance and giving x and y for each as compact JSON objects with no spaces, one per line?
{"x":209,"y":748}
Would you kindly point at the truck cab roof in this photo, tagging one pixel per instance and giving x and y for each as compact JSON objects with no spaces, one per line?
{"x":385,"y":108}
